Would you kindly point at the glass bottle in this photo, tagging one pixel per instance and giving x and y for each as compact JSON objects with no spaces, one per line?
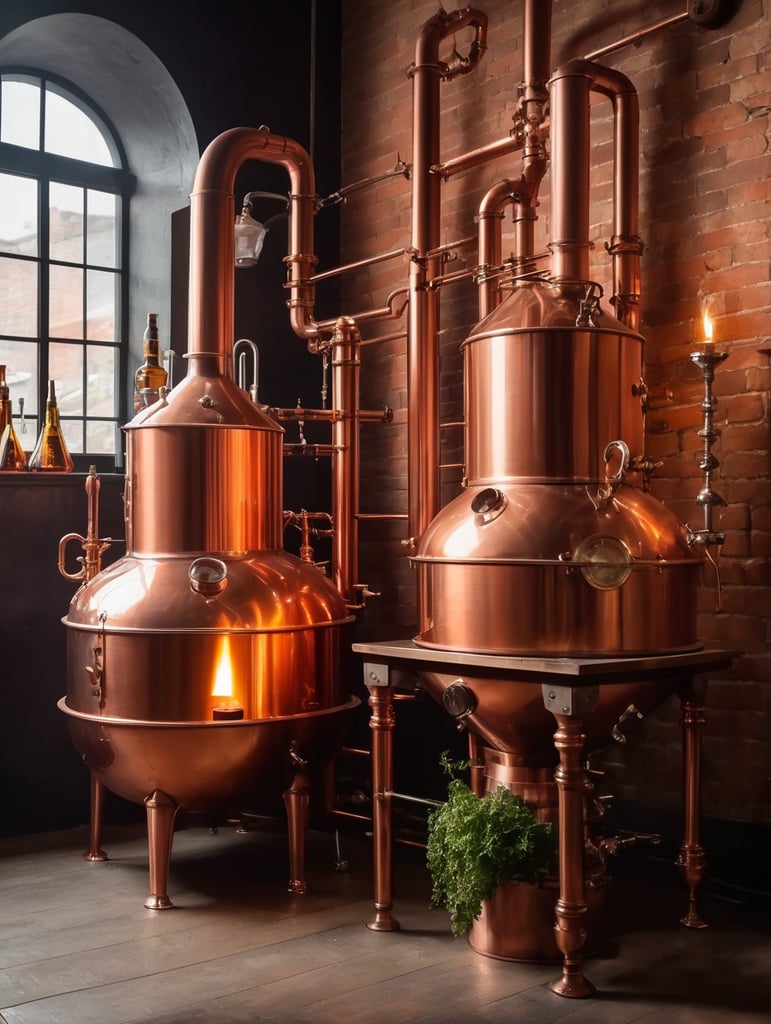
{"x":50,"y":452}
{"x":151,"y":375}
{"x":12,"y":455}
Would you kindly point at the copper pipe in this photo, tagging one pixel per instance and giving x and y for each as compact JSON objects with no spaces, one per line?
{"x":212,"y":240}
{"x":380,"y":515}
{"x":400,"y":169}
{"x":570,"y":88}
{"x":345,"y":438}
{"x":93,"y":546}
{"x":358,"y":264}
{"x":636,"y":37}
{"x":490,"y":219}
{"x":423,"y":317}
{"x":393,"y":309}
{"x":298,"y":414}
{"x":476,"y":157}
{"x":529,"y":128}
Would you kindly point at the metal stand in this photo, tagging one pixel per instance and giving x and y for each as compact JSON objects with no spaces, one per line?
{"x":569,"y":688}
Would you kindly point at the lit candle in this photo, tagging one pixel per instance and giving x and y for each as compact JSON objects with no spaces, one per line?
{"x":707,"y":329}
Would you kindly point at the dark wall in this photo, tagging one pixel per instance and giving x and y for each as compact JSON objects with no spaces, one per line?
{"x":241,"y":64}
{"x":44,"y":784}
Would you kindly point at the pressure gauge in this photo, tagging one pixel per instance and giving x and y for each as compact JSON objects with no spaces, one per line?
{"x":605,"y":562}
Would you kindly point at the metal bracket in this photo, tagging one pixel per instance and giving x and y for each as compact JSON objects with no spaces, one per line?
{"x":569,"y":700}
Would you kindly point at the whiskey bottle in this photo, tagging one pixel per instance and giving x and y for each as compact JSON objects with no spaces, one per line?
{"x":12,"y":456}
{"x":151,"y":375}
{"x":50,"y":452}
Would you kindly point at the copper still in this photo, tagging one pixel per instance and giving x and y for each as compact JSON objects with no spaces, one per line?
{"x":204,"y":667}
{"x":555,"y":547}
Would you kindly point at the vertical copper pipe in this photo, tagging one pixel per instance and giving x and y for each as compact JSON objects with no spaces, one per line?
{"x":346,"y":341}
{"x":570,"y":174}
{"x":423,"y":317}
{"x":490,"y":220}
{"x":529,"y":120}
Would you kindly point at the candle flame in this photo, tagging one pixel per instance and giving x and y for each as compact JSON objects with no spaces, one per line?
{"x":223,"y":677}
{"x":707,"y":328}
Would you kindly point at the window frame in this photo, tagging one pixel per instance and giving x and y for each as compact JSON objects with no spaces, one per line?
{"x":47,"y":168}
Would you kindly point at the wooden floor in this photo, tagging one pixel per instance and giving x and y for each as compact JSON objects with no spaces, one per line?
{"x":77,"y":945}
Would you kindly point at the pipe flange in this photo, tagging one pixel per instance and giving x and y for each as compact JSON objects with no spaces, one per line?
{"x":711,"y":13}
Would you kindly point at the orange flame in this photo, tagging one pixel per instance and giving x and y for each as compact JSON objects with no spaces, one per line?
{"x":707,"y":328}
{"x":223,"y":677}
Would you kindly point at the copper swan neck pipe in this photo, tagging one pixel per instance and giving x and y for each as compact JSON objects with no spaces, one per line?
{"x":529,"y":129}
{"x":212,"y":240}
{"x":571,"y":85}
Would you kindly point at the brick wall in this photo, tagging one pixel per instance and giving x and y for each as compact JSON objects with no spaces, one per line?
{"x":704,"y":219}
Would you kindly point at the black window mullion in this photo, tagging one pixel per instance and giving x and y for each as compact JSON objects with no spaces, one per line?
{"x":44,"y":301}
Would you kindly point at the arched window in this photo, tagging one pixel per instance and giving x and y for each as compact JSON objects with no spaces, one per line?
{"x":64,"y":215}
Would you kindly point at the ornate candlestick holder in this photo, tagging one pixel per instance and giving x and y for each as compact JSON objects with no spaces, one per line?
{"x":707,"y":359}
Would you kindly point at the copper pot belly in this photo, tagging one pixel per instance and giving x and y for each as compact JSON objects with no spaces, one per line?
{"x":510,"y":716}
{"x":541,"y":570}
{"x":203,"y":766}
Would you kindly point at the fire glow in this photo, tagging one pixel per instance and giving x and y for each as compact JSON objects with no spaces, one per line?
{"x":707,"y":321}
{"x":226,"y":707}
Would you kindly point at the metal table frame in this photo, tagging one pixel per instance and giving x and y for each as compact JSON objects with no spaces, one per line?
{"x":569,"y":688}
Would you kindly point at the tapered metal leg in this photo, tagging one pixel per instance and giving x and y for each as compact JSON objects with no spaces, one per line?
{"x":95,"y":852}
{"x":382,"y":725}
{"x":569,"y":776}
{"x":692,"y":860}
{"x":161,"y":812}
{"x":297,"y":803}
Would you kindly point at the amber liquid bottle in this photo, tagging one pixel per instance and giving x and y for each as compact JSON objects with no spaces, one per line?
{"x":150,"y":376}
{"x":12,"y":456}
{"x":50,"y":453}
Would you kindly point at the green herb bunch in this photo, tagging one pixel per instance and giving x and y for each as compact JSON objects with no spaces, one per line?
{"x":475,"y":843}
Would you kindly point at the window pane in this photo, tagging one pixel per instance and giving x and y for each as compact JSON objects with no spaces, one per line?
{"x":66,"y":302}
{"x":100,"y":302}
{"x":20,"y":361}
{"x":100,"y":437}
{"x":71,"y":132}
{"x":73,"y":435}
{"x":65,"y":367}
{"x":102,"y":377}
{"x":102,"y":238}
{"x":18,"y":297}
{"x":66,"y":211}
{"x":18,"y":214}
{"x":20,"y":113}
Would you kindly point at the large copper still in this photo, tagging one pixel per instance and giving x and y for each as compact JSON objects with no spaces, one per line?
{"x":555,"y":548}
{"x":204,"y":667}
